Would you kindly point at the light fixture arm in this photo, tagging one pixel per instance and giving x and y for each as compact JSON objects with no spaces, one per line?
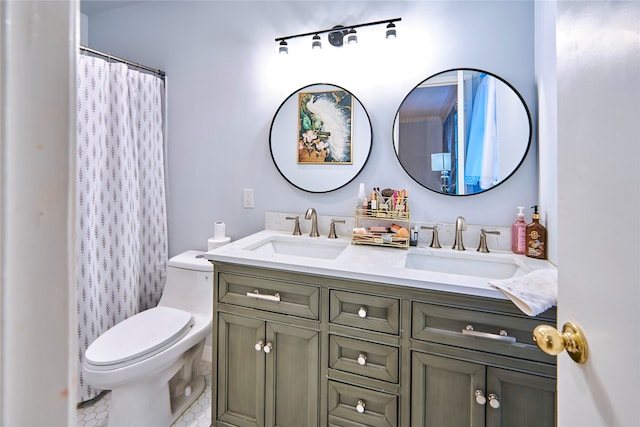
{"x":340,"y":28}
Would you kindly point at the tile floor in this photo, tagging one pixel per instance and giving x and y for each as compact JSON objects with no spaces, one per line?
{"x":94,"y":412}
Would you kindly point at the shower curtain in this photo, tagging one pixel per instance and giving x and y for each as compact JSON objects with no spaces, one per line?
{"x":120,"y":198}
{"x":481,"y":168}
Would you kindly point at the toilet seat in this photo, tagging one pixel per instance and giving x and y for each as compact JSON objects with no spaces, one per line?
{"x":138,"y":337}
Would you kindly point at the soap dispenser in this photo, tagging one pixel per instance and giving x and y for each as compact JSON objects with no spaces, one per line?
{"x":536,"y":235}
{"x":519,"y":233}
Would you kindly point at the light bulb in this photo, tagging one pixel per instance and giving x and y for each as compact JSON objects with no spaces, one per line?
{"x":391,"y":31}
{"x":283,"y":49}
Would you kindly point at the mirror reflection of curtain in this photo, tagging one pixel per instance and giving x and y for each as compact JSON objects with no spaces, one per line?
{"x":481,"y":168}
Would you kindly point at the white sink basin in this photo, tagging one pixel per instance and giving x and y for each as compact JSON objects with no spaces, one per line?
{"x":300,"y":246}
{"x":465,"y":264}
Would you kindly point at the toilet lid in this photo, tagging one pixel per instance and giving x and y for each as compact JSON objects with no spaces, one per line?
{"x":140,"y":336}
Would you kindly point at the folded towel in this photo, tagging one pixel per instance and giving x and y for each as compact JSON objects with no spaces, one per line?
{"x":532,"y":293}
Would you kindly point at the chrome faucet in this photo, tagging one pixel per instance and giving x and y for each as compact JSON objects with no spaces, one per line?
{"x":461,"y":225}
{"x":313,"y":216}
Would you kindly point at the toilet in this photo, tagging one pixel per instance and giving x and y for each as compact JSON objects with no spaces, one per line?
{"x":150,"y":361}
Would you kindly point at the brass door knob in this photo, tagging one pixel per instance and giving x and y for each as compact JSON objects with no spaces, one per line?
{"x":572,"y":339}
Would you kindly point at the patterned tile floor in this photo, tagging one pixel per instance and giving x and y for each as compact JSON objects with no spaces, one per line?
{"x":94,"y":412}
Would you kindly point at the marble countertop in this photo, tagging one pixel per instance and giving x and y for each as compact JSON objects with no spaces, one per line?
{"x":370,"y":263}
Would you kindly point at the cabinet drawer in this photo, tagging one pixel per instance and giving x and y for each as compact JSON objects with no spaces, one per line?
{"x":364,"y":358}
{"x":380,"y":409}
{"x":371,"y":312}
{"x":479,"y":330}
{"x":278,"y":296}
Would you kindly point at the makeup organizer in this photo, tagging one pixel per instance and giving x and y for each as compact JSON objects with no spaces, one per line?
{"x":385,"y":222}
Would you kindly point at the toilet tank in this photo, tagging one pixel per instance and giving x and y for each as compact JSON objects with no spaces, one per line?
{"x":189,"y":284}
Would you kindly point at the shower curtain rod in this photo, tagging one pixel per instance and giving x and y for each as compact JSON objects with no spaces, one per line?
{"x":160,"y":73}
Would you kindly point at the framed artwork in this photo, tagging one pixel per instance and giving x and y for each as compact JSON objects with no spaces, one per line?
{"x":325,"y":133}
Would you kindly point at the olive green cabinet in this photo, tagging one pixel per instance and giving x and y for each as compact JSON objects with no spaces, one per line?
{"x":452,"y":392}
{"x":267,"y":359}
{"x":307,"y":350}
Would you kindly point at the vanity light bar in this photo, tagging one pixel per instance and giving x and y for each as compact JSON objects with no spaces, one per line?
{"x":337,"y":34}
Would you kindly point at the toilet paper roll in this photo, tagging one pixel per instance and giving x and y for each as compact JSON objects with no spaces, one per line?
{"x":219,"y":230}
{"x":216,"y":243}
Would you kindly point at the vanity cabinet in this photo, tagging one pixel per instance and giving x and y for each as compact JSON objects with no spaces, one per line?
{"x":344,"y":352}
{"x":478,"y":365}
{"x":364,"y":359}
{"x":455,"y":392}
{"x":267,"y":352}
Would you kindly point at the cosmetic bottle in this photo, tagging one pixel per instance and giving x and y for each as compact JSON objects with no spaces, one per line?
{"x":373,"y":201}
{"x":519,"y":233}
{"x":536,"y":237}
{"x":413,"y":240}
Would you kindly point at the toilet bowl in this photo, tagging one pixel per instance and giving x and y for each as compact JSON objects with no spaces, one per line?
{"x":150,"y":361}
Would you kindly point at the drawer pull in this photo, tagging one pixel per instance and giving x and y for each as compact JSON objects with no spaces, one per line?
{"x":360,"y":406}
{"x":362,"y":359}
{"x":493,"y":401}
{"x":267,"y":348}
{"x":362,"y":312}
{"x":468,"y":330}
{"x":259,"y":345}
{"x":480,"y":399}
{"x":257,"y":294}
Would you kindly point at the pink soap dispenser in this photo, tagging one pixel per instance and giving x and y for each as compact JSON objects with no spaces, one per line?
{"x":519,"y":233}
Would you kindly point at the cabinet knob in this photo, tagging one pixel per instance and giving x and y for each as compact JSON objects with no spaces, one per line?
{"x":480,"y":399}
{"x":493,"y":401}
{"x":360,"y":406}
{"x":572,"y":339}
{"x":362,"y":312}
{"x":362,"y":359}
{"x":267,"y":348}
{"x":259,"y":345}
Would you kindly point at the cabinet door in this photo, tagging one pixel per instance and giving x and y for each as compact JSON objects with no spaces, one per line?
{"x":241,"y":371}
{"x":292,"y":382}
{"x":443,"y":392}
{"x":526,"y":400}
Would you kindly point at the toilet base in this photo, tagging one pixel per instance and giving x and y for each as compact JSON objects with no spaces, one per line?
{"x":158,"y":401}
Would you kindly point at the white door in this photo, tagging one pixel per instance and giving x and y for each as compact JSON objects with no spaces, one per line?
{"x":598,"y":209}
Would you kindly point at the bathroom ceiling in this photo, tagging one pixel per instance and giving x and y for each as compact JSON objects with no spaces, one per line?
{"x":94,"y":7}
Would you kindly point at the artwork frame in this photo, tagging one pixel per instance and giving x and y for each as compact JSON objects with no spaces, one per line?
{"x":325,"y":127}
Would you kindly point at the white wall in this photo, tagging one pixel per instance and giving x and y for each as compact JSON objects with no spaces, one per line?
{"x":546,"y":80}
{"x":226,"y":81}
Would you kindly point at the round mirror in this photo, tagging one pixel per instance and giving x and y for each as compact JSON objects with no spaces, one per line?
{"x":320,"y":138}
{"x":462,"y":132}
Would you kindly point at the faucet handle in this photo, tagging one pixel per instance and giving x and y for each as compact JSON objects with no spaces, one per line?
{"x":482,"y":247}
{"x":435,"y":242}
{"x":332,"y":228}
{"x":296,"y":227}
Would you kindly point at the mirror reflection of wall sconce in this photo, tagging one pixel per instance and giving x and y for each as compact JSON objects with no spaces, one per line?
{"x":336,"y":35}
{"x":441,"y":162}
